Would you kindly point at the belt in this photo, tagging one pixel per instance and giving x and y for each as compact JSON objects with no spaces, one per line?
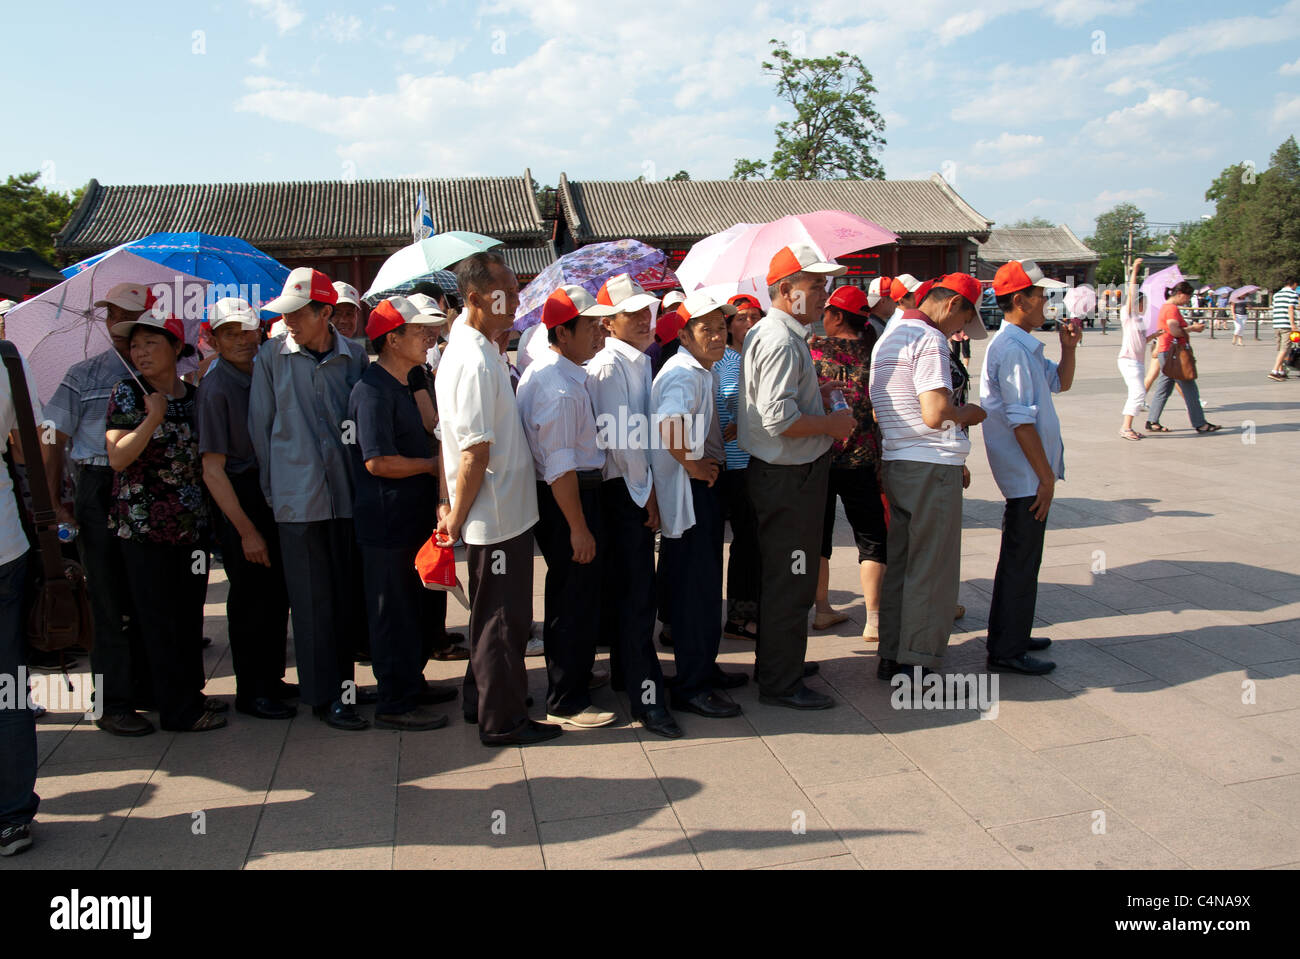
{"x":589,"y":479}
{"x":95,"y":463}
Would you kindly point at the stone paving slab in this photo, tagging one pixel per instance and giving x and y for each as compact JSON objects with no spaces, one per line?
{"x":1172,"y":719}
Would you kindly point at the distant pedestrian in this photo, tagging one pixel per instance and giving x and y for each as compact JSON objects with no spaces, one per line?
{"x":1286,"y":317}
{"x":1240,"y":313}
{"x":1133,"y":346}
{"x":1174,"y":327}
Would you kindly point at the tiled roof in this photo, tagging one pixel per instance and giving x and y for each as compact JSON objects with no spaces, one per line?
{"x":689,"y":210}
{"x":1056,"y":244}
{"x":278,"y":216}
{"x":528,"y":261}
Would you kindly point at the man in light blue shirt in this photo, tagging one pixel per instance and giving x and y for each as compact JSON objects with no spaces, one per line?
{"x":1022,"y":437}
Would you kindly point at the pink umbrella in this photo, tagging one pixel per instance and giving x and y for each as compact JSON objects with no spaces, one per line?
{"x":1241,"y":291}
{"x":703,"y":255}
{"x":1080,"y":301}
{"x":1154,"y":287}
{"x":61,"y":326}
{"x":832,"y":232}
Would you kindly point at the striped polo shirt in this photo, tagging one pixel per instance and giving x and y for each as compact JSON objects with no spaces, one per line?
{"x":1283,"y":300}
{"x":726,"y":395}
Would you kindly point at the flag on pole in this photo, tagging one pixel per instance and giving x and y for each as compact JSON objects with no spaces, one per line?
{"x":423,"y":225}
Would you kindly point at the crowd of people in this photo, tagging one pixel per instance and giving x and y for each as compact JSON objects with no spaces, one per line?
{"x":319,"y":461}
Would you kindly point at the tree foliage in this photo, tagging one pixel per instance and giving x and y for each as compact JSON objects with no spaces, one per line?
{"x":1110,"y":239}
{"x":30,"y":215}
{"x":836,"y":131}
{"x":1033,"y":223}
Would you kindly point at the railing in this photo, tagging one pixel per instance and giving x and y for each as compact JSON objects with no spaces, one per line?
{"x":1212,"y":315}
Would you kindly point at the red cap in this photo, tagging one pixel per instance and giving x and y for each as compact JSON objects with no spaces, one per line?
{"x":570,"y":301}
{"x":923,"y":290}
{"x":1021,"y":275}
{"x":850,"y":299}
{"x":388,"y":315}
{"x":669,"y":325}
{"x":962,"y":283}
{"x":896,"y":290}
{"x":149,"y":318}
{"x":743,"y":301}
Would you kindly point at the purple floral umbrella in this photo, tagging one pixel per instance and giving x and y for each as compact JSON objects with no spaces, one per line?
{"x":588,"y":267}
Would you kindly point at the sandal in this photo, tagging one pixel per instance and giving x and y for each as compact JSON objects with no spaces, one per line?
{"x":207,"y":722}
{"x":1208,"y":428}
{"x":734,"y":630}
{"x":1157,"y":428}
{"x":450,"y":654}
{"x":1130,"y":434}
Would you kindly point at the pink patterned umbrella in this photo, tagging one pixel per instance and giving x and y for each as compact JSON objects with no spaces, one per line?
{"x":832,"y":232}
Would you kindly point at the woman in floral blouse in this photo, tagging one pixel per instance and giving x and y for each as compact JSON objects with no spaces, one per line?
{"x":160,"y":513}
{"x":844,"y":355}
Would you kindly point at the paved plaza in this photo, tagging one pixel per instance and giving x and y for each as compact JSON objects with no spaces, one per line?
{"x":1167,"y":737}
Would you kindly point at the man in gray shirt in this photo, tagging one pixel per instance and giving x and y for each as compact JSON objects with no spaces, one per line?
{"x":78,"y":410}
{"x":297,"y":412}
{"x":783,"y":425}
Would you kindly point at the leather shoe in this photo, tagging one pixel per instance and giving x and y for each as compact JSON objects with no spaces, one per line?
{"x":1037,"y":645}
{"x":708,"y":704}
{"x":264,"y":707}
{"x":341,"y":715}
{"x":433,"y":695}
{"x":416,"y":720}
{"x":214,"y":705}
{"x":528,"y":733}
{"x":801,"y":698}
{"x":472,"y":718}
{"x":660,"y":722}
{"x":886,"y":668}
{"x":725,"y":680}
{"x":125,"y":724}
{"x":1024,"y":663}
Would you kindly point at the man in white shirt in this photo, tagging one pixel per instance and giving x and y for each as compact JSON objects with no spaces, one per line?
{"x":782,"y":422}
{"x":686,"y":463}
{"x":18,"y":799}
{"x":493,"y":502}
{"x":923,"y":449}
{"x":561,"y":431}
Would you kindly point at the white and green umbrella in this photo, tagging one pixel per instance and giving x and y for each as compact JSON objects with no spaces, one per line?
{"x":423,"y":260}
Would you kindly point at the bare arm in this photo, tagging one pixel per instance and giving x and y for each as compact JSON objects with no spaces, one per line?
{"x":428,"y":413}
{"x":400,"y":467}
{"x":673,"y":433}
{"x":125,"y":446}
{"x":52,"y":455}
{"x":565,"y":490}
{"x":223,"y":494}
{"x":938,"y":409}
{"x":1031,"y":444}
{"x":469,"y":478}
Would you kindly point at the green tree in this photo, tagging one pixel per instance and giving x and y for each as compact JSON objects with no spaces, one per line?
{"x":1033,"y":223}
{"x":30,"y":215}
{"x":836,"y":131}
{"x":546,"y":202}
{"x":1270,"y":220}
{"x":1110,"y":239}
{"x":679,"y":175}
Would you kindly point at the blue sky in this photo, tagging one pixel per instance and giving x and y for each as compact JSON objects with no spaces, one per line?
{"x":1058,"y":108}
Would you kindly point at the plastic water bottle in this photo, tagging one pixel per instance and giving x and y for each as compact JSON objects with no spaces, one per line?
{"x":838,"y":402}
{"x":67,"y":532}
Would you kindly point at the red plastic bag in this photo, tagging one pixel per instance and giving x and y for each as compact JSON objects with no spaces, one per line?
{"x":436,"y":564}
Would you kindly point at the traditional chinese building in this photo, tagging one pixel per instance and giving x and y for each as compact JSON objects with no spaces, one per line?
{"x":1058,"y":252}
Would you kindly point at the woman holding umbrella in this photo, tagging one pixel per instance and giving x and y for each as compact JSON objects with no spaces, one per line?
{"x":1174,"y":326}
{"x":160,"y":515}
{"x":1133,"y":346}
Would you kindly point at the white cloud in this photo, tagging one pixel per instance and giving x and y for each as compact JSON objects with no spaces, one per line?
{"x":1286,"y":111}
{"x":1009,"y":143}
{"x":1289,"y":69}
{"x":342,"y":29}
{"x":259,"y":60}
{"x":1073,"y":13}
{"x":1163,"y":112}
{"x":285,"y":14}
{"x":428,"y":48}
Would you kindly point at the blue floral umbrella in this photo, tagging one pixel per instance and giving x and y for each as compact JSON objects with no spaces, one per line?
{"x":588,"y":267}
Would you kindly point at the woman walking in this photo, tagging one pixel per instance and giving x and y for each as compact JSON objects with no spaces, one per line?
{"x":1239,"y":317}
{"x":1174,"y":327}
{"x":1132,"y":349}
{"x":160,"y":514}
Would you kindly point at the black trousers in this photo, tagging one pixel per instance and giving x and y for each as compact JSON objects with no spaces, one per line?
{"x":628,"y":598}
{"x":742,"y":563}
{"x":257,"y":605}
{"x":395,"y":605}
{"x":168,"y":596}
{"x":571,"y":620}
{"x":118,"y":654}
{"x":694,"y":563}
{"x":500,"y":617}
{"x":789,"y":502}
{"x":322,"y":577}
{"x":1015,"y":585}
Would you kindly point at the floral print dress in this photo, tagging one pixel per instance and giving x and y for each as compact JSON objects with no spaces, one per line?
{"x":160,"y":498}
{"x":836,"y":358}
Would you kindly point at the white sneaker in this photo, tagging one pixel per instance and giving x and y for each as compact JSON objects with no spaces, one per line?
{"x":589,"y":718}
{"x":535,"y":647}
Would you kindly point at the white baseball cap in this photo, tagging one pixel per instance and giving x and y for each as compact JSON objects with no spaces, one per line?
{"x":879,"y":288}
{"x":302,"y":287}
{"x":6,"y":306}
{"x":232,"y":309}
{"x":129,"y":296}
{"x":347,"y":293}
{"x":800,"y":258}
{"x":624,"y":294}
{"x":672,"y":298}
{"x":428,"y":306}
{"x":699,"y":303}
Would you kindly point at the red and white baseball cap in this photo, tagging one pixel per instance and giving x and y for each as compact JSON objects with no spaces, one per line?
{"x":880,"y":287}
{"x":428,"y":306}
{"x":1021,"y":275}
{"x":969,"y":289}
{"x":569,"y":301}
{"x":672,"y":300}
{"x":624,"y":293}
{"x":902,"y":285}
{"x":850,"y":299}
{"x":393,"y":312}
{"x":303,"y":286}
{"x":800,"y":258}
{"x":347,"y":293}
{"x":169,"y":323}
{"x":700,"y":303}
{"x":232,"y":309}
{"x":743,"y":301}
{"x":129,"y":296}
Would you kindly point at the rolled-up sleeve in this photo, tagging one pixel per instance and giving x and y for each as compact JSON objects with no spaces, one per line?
{"x":473,"y":398}
{"x":261,"y":413}
{"x":776,"y":388}
{"x":1016,"y":383}
{"x":556,"y":421}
